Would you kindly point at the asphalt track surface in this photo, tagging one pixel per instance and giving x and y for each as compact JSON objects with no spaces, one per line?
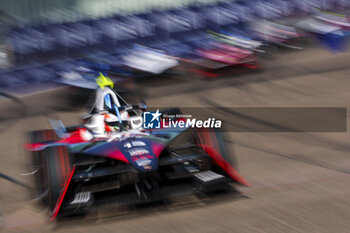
{"x":300,"y":182}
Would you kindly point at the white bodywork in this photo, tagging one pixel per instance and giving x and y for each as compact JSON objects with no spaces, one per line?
{"x":319,"y":27}
{"x":76,"y":79}
{"x":151,"y":61}
{"x":269,"y":31}
{"x":98,"y":120}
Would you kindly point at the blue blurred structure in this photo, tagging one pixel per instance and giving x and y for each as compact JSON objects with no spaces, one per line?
{"x":336,"y":42}
{"x":53,"y":46}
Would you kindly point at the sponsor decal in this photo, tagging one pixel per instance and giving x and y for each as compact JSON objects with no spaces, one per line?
{"x":143,"y":162}
{"x":138,"y":143}
{"x":144,"y":156}
{"x":134,"y":143}
{"x":136,"y":152}
{"x":127,"y":145}
{"x":147,"y":167}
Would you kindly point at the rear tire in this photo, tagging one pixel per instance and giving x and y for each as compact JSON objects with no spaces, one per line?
{"x":39,"y":163}
{"x":58,"y":168}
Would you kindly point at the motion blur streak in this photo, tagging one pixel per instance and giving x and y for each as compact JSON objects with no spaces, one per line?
{"x":274,"y":72}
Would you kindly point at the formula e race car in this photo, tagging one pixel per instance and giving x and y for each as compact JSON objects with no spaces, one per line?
{"x":79,"y":167}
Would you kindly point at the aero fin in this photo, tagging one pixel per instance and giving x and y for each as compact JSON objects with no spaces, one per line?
{"x":59,"y":128}
{"x":225,"y":165}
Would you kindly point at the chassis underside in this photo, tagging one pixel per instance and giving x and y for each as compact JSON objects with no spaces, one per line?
{"x":180,"y":171}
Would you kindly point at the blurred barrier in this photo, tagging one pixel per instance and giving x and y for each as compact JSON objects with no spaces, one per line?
{"x":110,"y":33}
{"x":29,"y":76}
{"x":6,"y":56}
{"x":40,"y":44}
